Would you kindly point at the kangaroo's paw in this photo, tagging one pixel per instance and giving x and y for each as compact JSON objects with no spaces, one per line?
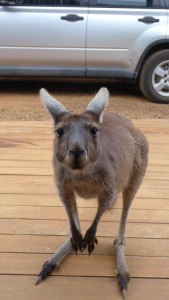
{"x":77,"y":242}
{"x":89,"y":241}
{"x":46,"y":270}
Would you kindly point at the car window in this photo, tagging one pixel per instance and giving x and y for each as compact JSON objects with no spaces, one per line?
{"x":167,"y":3}
{"x":131,"y":3}
{"x":48,"y":2}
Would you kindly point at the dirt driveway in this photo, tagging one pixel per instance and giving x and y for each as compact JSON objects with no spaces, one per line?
{"x":19,"y":99}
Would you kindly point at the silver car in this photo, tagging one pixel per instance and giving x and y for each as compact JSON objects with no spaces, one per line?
{"x":88,"y":38}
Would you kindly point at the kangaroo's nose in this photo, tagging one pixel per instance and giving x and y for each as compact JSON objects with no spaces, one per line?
{"x":76,"y":152}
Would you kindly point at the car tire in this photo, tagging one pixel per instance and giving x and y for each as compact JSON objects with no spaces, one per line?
{"x":154,"y":77}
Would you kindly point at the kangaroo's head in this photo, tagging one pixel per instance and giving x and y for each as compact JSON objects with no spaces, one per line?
{"x":77,"y":137}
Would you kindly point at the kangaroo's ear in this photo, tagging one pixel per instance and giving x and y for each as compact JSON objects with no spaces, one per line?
{"x":98,"y":104}
{"x":55,"y":108}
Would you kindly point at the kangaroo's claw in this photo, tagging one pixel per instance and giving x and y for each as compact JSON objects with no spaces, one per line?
{"x":123,"y":280}
{"x":46,"y":270}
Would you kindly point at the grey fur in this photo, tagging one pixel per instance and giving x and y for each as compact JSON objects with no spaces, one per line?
{"x":98,"y":104}
{"x":94,"y":159}
{"x":54,"y":107}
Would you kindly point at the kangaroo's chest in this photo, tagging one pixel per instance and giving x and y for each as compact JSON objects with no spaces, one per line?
{"x":86,"y":189}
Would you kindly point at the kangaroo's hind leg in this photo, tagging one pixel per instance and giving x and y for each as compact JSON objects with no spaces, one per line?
{"x":64,"y":249}
{"x":128,"y":196}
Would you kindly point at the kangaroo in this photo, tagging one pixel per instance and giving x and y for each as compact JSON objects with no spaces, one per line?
{"x":95,"y":154}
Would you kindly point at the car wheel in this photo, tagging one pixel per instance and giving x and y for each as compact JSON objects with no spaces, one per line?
{"x":154,"y":77}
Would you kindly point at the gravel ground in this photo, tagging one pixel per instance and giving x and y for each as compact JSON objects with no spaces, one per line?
{"x":19,"y":99}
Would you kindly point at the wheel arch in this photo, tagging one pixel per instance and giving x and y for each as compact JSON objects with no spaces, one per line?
{"x":154,"y":47}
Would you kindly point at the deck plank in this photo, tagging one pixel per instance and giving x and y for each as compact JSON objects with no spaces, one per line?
{"x":83,"y":265}
{"x":137,"y":246}
{"x":86,"y":288}
{"x":59,"y":227}
{"x":54,"y":201}
{"x":85,"y":214}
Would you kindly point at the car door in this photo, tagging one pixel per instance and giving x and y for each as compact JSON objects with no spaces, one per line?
{"x":119,"y":31}
{"x":43,"y":37}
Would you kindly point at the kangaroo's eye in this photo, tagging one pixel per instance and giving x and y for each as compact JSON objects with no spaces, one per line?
{"x":60,"y":132}
{"x":93,"y":131}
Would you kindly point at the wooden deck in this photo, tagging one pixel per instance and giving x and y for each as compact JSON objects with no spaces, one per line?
{"x":33,"y":224}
